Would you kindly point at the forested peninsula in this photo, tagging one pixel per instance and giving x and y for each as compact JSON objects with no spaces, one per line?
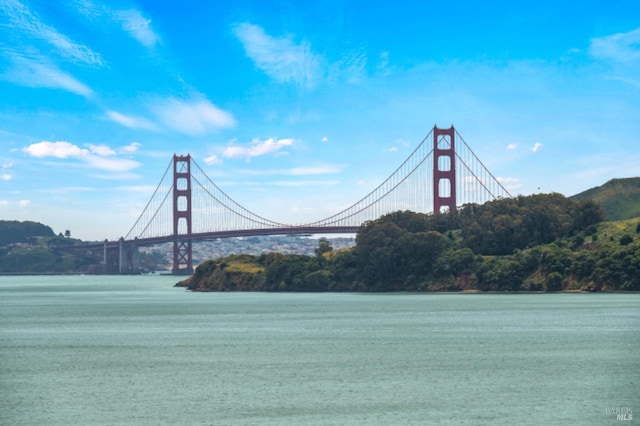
{"x":541,"y":242}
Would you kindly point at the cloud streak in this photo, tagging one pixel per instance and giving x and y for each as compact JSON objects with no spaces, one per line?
{"x":39,"y":72}
{"x":130,"y":121}
{"x":137,"y":26}
{"x":131,"y":21}
{"x":256,"y":148}
{"x":280,"y":57}
{"x":193,"y":117}
{"x":620,"y":47}
{"x":31,"y":26}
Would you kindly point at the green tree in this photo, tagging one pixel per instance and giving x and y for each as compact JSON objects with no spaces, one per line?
{"x":324,"y":246}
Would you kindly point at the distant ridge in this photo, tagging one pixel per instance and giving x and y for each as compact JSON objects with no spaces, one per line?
{"x":620,"y":198}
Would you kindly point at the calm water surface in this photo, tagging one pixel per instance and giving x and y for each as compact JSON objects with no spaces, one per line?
{"x":96,"y":350}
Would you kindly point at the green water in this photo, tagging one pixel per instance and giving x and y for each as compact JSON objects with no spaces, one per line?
{"x":136,"y":351}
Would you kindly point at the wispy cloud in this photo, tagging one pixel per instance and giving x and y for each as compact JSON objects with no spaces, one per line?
{"x":510,"y":183}
{"x":131,"y":148}
{"x":111,"y":164}
{"x":131,"y":122}
{"x":256,"y":148}
{"x":315,"y":170}
{"x":6,"y":176}
{"x":281,"y":58}
{"x":620,"y":47}
{"x":132,"y":21}
{"x":137,"y":26}
{"x":301,"y":183}
{"x":213,"y":160}
{"x":536,"y":147}
{"x":102,"y":150}
{"x":192,"y":117}
{"x":39,"y":72}
{"x":99,"y":157}
{"x":67,"y":189}
{"x":351,"y":67}
{"x":23,"y":20}
{"x":511,"y":146}
{"x":137,"y":188}
{"x":324,"y":169}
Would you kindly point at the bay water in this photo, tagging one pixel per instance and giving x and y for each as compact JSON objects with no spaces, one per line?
{"x":134,"y":350}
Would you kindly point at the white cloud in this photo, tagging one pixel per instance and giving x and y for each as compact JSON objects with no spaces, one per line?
{"x":24,"y":203}
{"x":97,"y":157}
{"x":212,"y":160}
{"x":536,"y":147}
{"x":194,"y":117}
{"x":510,"y":183}
{"x":324,"y":139}
{"x":6,"y":176}
{"x":111,"y":164}
{"x":620,"y":47}
{"x":38,"y":72}
{"x":130,"y":121}
{"x":4,"y":203}
{"x":27,"y":22}
{"x":280,"y":57}
{"x":58,"y":149}
{"x":512,"y":146}
{"x":101,"y":150}
{"x":256,"y":148}
{"x":131,"y":148}
{"x":137,"y":26}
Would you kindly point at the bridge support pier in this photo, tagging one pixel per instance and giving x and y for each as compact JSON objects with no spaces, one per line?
{"x":105,"y":258}
{"x":444,"y":170}
{"x":128,"y":258}
{"x":182,"y":246}
{"x":182,"y":257}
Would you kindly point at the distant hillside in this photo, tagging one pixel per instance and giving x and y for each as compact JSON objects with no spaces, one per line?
{"x":13,"y":231}
{"x":620,"y":198}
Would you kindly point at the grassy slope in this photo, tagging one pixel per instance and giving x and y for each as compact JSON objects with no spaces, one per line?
{"x":620,"y":198}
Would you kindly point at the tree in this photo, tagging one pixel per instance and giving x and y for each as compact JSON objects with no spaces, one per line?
{"x":67,"y":233}
{"x":626,"y":240}
{"x":324,"y":246}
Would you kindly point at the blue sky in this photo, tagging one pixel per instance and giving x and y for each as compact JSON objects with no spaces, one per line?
{"x":298,"y":109}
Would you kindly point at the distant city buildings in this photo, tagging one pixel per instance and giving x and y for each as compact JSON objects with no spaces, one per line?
{"x":205,"y":250}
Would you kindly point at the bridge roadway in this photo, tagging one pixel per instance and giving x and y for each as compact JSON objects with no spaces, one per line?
{"x":203,"y":236}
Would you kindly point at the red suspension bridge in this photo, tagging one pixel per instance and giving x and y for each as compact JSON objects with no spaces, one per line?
{"x":441,"y":174}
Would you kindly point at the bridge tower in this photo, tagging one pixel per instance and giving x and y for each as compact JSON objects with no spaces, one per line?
{"x":444,"y":170}
{"x":182,"y":244}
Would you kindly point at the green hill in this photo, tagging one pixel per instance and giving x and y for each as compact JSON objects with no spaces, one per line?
{"x":620,"y":198}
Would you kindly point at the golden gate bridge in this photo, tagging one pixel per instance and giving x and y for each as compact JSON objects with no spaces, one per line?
{"x":440,"y":174}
